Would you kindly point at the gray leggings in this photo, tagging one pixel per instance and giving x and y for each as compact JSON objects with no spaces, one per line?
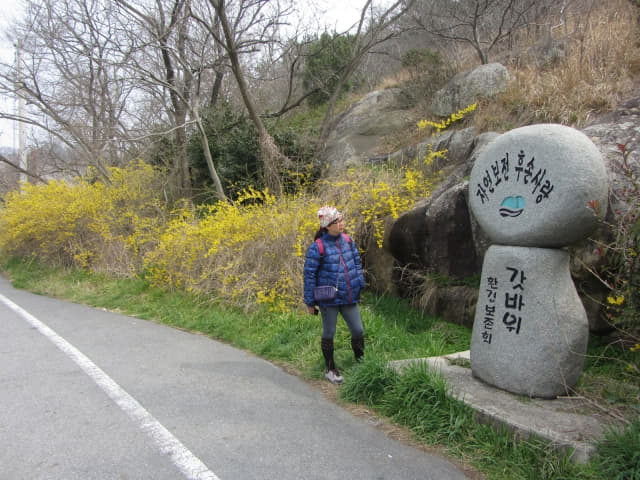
{"x":351,"y":315}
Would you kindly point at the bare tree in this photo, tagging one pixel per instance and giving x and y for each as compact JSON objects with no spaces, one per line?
{"x":246,"y":26}
{"x":90,"y":72}
{"x":16,"y":166}
{"x":481,"y":24}
{"x":69,"y":74}
{"x":283,"y":81}
{"x":102,"y":75}
{"x":170,"y":59}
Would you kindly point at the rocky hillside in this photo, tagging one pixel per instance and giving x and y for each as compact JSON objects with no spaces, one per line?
{"x":434,"y":253}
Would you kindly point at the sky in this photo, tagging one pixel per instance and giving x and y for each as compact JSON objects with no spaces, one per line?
{"x":338,"y":15}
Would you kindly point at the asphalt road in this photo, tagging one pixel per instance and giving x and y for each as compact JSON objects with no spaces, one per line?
{"x":89,"y":394}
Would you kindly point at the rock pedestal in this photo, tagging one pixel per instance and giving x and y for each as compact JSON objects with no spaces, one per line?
{"x":533,"y":190}
{"x":530,"y":331}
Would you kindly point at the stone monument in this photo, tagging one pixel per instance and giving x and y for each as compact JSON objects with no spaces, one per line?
{"x":531,"y":190}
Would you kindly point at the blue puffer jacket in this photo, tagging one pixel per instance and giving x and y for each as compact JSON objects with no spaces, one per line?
{"x":340,"y":266}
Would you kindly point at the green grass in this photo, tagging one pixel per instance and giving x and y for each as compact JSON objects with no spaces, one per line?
{"x":418,"y":399}
{"x":608,"y":378}
{"x":619,"y":455}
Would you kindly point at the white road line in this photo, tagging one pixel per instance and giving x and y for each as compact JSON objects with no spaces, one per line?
{"x":190,"y":465}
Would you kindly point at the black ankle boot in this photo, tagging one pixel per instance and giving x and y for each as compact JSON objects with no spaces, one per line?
{"x":358,"y":347}
{"x":327,"y":351}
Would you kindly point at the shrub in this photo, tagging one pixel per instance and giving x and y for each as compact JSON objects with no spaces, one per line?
{"x":250,"y":252}
{"x":233,"y":143}
{"x":427,"y":70}
{"x":621,"y":270}
{"x":85,"y":223}
{"x":246,"y":253}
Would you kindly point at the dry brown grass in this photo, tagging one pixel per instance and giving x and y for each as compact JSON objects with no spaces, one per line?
{"x":581,"y":66}
{"x":584,"y":69}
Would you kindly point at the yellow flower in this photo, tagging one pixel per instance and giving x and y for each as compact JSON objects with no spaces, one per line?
{"x":619,"y":300}
{"x":443,"y":124}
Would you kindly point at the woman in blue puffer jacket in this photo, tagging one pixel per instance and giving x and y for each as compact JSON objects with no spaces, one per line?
{"x":334,"y":260}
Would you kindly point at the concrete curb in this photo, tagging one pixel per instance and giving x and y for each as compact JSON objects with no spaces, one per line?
{"x":566,"y":422}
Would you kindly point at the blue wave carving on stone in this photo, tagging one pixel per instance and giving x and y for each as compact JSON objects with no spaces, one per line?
{"x":512,"y":206}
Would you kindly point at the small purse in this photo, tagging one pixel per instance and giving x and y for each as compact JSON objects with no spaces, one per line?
{"x":324,"y":293}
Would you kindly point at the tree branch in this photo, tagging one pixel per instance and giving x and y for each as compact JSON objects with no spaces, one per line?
{"x":20,"y":169}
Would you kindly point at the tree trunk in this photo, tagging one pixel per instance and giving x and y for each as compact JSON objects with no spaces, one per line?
{"x":180,"y":175}
{"x":215,"y":91}
{"x":204,"y":141}
{"x":271,"y":156}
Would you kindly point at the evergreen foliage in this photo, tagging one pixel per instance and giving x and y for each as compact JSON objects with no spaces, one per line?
{"x":328,"y":56}
{"x":233,"y":143}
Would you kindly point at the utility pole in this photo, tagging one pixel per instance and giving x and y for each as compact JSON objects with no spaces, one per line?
{"x":22,"y":152}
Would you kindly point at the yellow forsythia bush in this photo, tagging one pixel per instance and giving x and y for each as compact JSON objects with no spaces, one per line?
{"x":247,"y":253}
{"x":252,"y":251}
{"x":85,"y":223}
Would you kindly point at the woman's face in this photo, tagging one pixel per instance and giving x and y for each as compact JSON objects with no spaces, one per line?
{"x":336,"y":227}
